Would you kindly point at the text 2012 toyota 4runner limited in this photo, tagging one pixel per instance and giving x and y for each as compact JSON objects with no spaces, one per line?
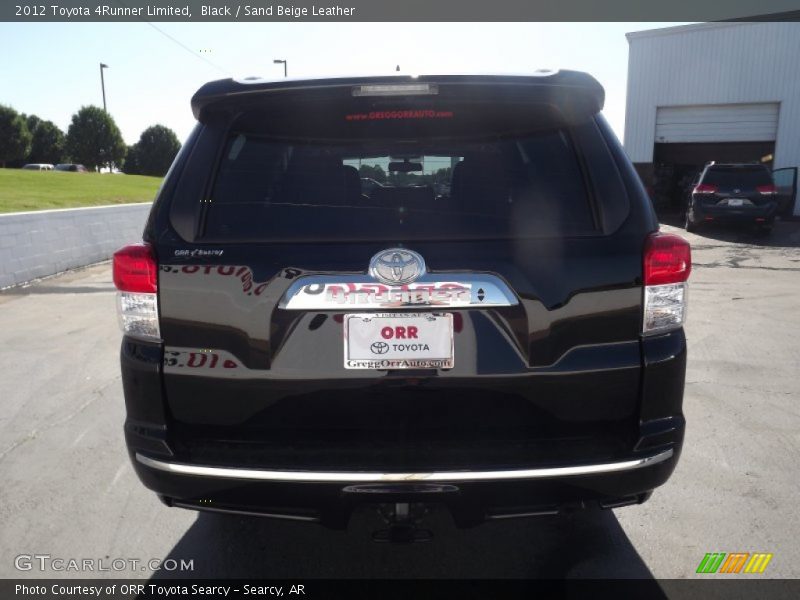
{"x":494,"y":326}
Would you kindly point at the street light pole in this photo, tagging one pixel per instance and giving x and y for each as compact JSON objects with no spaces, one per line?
{"x":103,"y":85}
{"x":278,"y":61}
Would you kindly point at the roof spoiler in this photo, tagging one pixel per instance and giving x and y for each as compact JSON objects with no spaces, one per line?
{"x":575,"y":93}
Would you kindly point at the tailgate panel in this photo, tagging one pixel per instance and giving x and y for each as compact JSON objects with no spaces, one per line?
{"x":555,"y":361}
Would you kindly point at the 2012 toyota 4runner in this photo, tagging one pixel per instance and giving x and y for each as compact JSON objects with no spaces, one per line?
{"x":493,"y":325}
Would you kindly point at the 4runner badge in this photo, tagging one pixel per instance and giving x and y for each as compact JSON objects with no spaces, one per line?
{"x":396,"y":265}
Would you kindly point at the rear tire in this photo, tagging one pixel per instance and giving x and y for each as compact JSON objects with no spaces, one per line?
{"x":689,"y":223}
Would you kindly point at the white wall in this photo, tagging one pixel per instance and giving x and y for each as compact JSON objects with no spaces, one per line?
{"x":720,"y":63}
{"x":41,"y":243}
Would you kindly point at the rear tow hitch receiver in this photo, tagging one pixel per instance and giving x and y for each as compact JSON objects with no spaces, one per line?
{"x":403,"y":520}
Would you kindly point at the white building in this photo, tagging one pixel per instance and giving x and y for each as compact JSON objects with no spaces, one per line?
{"x":728,"y":92}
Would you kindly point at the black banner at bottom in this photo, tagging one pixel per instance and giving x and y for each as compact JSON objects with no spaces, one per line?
{"x":405,"y":589}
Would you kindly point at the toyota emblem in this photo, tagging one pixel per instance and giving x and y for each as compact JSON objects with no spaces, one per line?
{"x":379,"y":347}
{"x":396,"y":265}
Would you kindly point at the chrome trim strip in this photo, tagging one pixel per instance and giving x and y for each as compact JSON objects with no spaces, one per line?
{"x":360,"y":477}
{"x":522,"y":515}
{"x":359,"y":291}
{"x":247,"y":513}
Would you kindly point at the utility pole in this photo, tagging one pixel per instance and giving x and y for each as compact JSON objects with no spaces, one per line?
{"x":103,"y":85}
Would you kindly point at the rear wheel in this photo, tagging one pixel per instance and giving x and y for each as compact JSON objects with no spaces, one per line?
{"x":689,"y":223}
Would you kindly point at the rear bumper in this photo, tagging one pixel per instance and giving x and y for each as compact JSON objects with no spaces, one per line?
{"x":574,"y":459}
{"x":471,"y":496}
{"x":765,"y":211}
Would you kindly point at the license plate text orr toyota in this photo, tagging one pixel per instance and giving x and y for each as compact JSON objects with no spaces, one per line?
{"x":398,"y":341}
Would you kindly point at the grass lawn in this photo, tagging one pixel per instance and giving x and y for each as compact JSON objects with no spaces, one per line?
{"x":37,"y":190}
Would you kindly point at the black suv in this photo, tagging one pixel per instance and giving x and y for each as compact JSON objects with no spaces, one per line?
{"x":733,"y":193}
{"x":496,"y":328}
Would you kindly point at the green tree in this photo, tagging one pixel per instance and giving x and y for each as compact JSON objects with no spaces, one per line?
{"x":32,"y":121}
{"x":93,"y":138}
{"x":15,"y":139}
{"x":443,"y":175}
{"x":375,"y":172}
{"x":131,"y":165}
{"x":48,"y":143}
{"x":155,"y":150}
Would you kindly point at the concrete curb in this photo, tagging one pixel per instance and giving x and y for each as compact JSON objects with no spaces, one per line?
{"x":41,"y":243}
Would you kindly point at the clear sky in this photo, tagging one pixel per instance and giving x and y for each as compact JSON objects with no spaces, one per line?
{"x":52,"y":69}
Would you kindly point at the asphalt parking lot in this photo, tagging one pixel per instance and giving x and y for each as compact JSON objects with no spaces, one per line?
{"x":68,"y":489}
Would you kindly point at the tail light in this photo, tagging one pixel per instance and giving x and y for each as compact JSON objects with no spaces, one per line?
{"x":705,"y":188}
{"x":136,"y":277}
{"x":667,"y":265}
{"x":767,"y":190}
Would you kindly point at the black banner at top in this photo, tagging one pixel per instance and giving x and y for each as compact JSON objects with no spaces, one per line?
{"x":397,"y":10}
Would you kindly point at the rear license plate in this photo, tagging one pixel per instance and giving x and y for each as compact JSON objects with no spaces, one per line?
{"x":398,"y":341}
{"x":735,"y":202}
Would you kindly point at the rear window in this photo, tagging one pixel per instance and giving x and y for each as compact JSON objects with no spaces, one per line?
{"x":737,"y":177}
{"x":368,"y":188}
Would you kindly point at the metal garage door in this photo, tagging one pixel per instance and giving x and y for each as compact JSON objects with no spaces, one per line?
{"x":717,"y":123}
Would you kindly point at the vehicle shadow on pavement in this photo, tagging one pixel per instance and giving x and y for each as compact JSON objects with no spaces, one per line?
{"x":588,"y":544}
